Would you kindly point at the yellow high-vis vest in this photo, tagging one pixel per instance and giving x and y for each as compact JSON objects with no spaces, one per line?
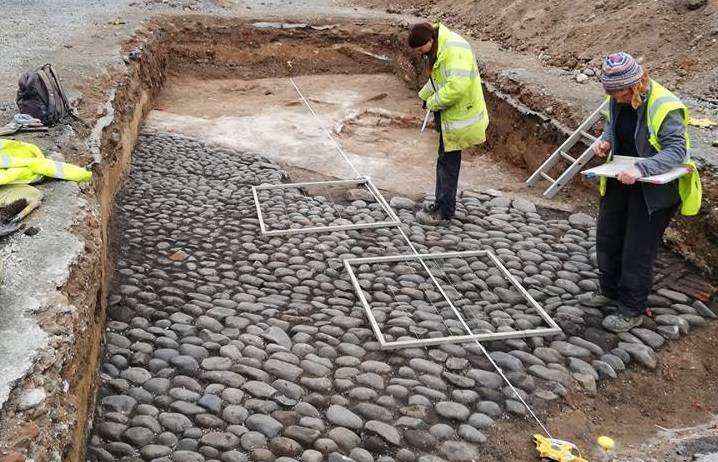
{"x":22,"y":163}
{"x":455,"y":90}
{"x":661,"y":102}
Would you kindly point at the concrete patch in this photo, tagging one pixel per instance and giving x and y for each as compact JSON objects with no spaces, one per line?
{"x":33,"y":269}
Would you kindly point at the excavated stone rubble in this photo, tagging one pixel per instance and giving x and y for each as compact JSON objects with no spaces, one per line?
{"x":225,"y":345}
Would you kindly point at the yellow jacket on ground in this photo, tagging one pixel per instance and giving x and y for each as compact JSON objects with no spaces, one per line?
{"x":454,"y":89}
{"x":24,"y":163}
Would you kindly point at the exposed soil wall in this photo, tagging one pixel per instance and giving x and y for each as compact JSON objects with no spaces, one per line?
{"x":214,"y":48}
{"x":56,"y":431}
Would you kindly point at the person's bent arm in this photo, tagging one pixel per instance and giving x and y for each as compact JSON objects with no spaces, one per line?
{"x":458,"y":79}
{"x":427,"y":91}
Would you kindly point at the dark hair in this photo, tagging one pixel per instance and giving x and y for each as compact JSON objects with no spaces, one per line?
{"x":420,"y":34}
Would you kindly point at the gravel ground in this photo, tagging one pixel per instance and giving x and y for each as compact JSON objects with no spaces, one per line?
{"x":83,"y":37}
{"x":57,"y":28}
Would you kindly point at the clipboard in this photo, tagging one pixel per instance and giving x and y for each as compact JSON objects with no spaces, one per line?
{"x":617,"y":164}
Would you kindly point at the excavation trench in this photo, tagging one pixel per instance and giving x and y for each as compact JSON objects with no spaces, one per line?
{"x":222,"y":344}
{"x":239,"y":95}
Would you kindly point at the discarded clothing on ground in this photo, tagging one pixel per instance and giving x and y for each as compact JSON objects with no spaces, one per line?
{"x":24,"y":163}
{"x":21,"y":164}
{"x":22,"y":123}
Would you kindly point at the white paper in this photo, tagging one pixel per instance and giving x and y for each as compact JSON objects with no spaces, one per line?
{"x":611,"y":169}
{"x":620,"y":163}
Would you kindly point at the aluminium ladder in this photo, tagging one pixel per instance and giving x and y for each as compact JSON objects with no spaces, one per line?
{"x":581,"y":133}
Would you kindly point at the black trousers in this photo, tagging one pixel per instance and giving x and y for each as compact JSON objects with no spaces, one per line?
{"x":627,"y":242}
{"x":448,"y":165}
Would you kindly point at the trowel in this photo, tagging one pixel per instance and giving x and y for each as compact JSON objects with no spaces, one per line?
{"x":426,"y":120}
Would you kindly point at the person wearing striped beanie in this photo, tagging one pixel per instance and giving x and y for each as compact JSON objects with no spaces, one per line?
{"x":620,"y":71}
{"x":647,"y":122}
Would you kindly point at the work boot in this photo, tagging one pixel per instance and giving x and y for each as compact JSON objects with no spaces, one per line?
{"x":618,"y":323}
{"x":429,"y":218}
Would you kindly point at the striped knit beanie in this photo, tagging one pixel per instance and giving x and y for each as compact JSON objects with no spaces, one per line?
{"x":620,"y":71}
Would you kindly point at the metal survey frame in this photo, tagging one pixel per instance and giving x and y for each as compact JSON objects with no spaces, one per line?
{"x":365,"y":180}
{"x":375,"y":326}
{"x":553,"y":328}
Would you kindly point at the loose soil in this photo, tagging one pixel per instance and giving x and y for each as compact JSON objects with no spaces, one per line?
{"x":374,"y":117}
{"x":677,"y":39}
{"x":681,"y":392}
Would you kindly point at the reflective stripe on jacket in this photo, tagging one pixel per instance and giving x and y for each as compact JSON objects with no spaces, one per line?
{"x":455,"y":90}
{"x":24,"y":163}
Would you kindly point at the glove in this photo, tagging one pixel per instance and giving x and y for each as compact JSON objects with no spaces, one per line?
{"x":423,"y":104}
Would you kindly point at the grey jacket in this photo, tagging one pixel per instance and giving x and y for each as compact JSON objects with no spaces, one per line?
{"x":673,"y":153}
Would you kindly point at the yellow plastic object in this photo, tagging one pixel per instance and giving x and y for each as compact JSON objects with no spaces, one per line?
{"x":702,"y":123}
{"x":14,"y":192}
{"x":606,"y":443}
{"x":551,"y":449}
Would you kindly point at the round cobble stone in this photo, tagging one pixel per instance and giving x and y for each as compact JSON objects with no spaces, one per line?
{"x":253,"y":440}
{"x":227,"y":345}
{"x":452,"y":410}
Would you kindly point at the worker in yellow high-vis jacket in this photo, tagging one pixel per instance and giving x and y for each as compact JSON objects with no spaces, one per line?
{"x":648,"y":122}
{"x":453,"y":93}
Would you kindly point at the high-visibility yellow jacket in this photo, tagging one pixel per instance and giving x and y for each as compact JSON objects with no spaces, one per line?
{"x":659,"y":104}
{"x":22,"y":163}
{"x":454,"y":89}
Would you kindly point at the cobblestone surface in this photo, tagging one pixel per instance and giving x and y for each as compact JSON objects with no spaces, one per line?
{"x":226,"y":345}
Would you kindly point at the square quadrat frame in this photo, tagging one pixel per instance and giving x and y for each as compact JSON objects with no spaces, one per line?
{"x":553,"y":328}
{"x":365,"y":181}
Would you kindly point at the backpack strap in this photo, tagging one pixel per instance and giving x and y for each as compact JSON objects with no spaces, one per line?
{"x":60,"y":87}
{"x":51,"y":106}
{"x":69,"y":110}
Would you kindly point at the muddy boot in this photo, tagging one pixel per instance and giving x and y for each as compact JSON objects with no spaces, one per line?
{"x":429,"y":218}
{"x":618,"y":323}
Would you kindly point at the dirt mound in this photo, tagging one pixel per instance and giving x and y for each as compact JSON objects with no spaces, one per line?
{"x":633,"y":409}
{"x":677,"y":38}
